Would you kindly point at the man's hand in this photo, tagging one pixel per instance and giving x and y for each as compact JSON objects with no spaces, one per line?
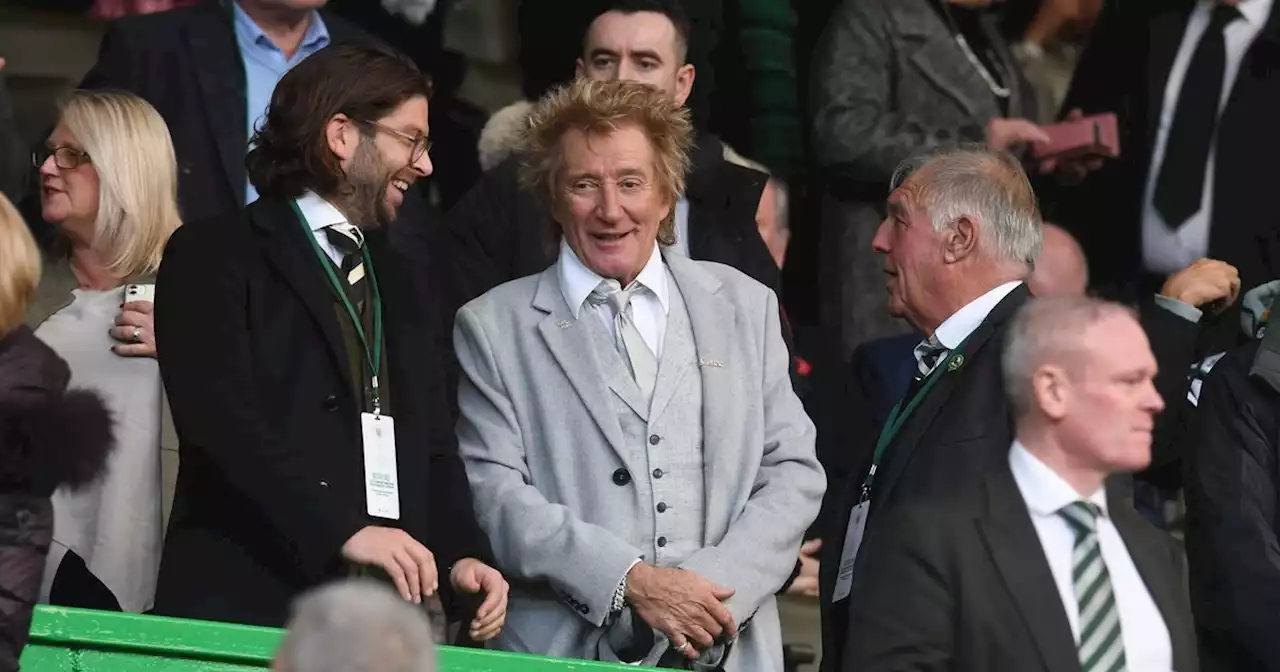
{"x":411,"y":566}
{"x":1207,"y":281}
{"x":807,"y":582}
{"x":681,"y":604}
{"x":472,"y":576}
{"x":1010,"y":133}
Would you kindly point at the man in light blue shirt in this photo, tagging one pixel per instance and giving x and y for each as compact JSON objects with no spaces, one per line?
{"x":208,"y":69}
{"x":266,"y":59}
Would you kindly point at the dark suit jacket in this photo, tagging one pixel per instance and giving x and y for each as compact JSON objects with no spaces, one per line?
{"x":272,"y":477}
{"x":955,"y":434}
{"x":1104,"y":213}
{"x":961,"y":584}
{"x":1233,"y":526}
{"x":499,"y":231}
{"x":185,"y":62}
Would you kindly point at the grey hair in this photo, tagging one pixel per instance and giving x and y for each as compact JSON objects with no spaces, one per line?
{"x":356,"y":626}
{"x":986,"y":184}
{"x":1045,"y":330}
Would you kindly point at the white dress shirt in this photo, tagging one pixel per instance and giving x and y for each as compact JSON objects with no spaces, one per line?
{"x":1147,"y":647}
{"x":648,"y":308}
{"x":320,"y":214}
{"x":962,"y":323}
{"x":1165,"y":250}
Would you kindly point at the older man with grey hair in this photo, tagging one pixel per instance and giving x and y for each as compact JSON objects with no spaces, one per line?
{"x":962,"y":233}
{"x":1040,"y":566}
{"x":356,"y":626}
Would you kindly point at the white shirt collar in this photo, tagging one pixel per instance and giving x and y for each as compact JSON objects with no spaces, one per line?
{"x":1043,"y":489}
{"x":318,"y":212}
{"x":952,"y":332}
{"x":1256,"y":12}
{"x":577,"y":281}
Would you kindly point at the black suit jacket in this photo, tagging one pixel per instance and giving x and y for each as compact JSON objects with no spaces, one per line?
{"x":955,"y":434}
{"x":1124,"y":70}
{"x":185,"y":62}
{"x":961,"y":584}
{"x":271,"y":483}
{"x":1233,"y":519}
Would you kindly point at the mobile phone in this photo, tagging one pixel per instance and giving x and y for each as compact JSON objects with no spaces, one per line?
{"x":1095,"y":135}
{"x":139,"y":293}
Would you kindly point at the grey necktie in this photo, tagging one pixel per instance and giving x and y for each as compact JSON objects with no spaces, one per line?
{"x":630,"y":344}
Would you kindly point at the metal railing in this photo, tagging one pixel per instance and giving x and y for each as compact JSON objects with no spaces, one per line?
{"x":80,"y":640}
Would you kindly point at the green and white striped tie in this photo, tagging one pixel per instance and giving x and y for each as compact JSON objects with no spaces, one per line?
{"x":1101,"y":646}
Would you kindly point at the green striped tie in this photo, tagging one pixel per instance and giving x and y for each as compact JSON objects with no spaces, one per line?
{"x":1101,"y":646}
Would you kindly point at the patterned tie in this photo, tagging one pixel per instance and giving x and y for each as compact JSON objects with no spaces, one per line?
{"x":348,"y":239}
{"x":640,"y":359}
{"x":927,"y":353}
{"x":1101,"y":646}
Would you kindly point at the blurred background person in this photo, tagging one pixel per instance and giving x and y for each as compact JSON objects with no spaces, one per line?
{"x":893,"y":78}
{"x":108,"y":182}
{"x":1196,"y":115}
{"x":49,"y":437}
{"x":355,"y":626}
{"x":14,"y":170}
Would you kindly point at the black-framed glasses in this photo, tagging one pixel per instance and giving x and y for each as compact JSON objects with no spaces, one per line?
{"x":419,"y":145}
{"x":66,"y":158}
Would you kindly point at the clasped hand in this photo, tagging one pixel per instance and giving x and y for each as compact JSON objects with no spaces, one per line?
{"x":685,"y":606}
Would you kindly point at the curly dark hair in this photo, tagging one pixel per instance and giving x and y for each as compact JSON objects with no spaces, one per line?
{"x":290,"y":152}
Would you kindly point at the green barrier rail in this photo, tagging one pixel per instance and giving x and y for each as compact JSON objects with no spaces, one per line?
{"x":79,"y":640}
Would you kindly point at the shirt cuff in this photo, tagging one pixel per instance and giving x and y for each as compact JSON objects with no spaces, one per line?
{"x":1184,"y":310}
{"x":620,"y":593}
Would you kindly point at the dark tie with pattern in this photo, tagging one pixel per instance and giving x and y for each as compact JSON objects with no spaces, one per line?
{"x":927,"y":354}
{"x":1180,"y":186}
{"x":348,"y":239}
{"x":1101,"y":644}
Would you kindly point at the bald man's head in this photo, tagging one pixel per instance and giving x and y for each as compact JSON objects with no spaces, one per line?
{"x":1061,"y":269}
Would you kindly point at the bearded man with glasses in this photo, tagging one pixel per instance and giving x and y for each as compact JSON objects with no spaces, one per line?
{"x":317,"y":441}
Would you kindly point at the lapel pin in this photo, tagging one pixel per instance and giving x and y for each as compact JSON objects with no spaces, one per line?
{"x":956,"y":363}
{"x":564,"y":324}
{"x":713,"y":363}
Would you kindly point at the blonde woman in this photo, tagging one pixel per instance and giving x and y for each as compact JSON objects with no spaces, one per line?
{"x":108,"y":182}
{"x":48,"y":436}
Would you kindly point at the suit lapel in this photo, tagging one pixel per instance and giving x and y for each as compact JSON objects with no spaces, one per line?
{"x":936,"y":56}
{"x":1156,"y":563}
{"x":291,"y":255}
{"x":679,"y":354}
{"x":712,"y":320}
{"x":1011,"y":540}
{"x":917,"y":427}
{"x":570,"y":344}
{"x":210,"y":39}
{"x":1165,"y":36}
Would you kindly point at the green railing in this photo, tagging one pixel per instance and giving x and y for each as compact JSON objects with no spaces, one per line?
{"x":78,"y":640}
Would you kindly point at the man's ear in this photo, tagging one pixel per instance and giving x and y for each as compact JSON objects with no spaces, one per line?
{"x":684,"y":83}
{"x":1051,"y":391}
{"x":343,"y":137}
{"x":961,"y":239}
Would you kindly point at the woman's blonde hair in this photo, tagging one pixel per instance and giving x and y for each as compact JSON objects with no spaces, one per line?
{"x":600,"y":108}
{"x":128,"y":143}
{"x":19,"y":267}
